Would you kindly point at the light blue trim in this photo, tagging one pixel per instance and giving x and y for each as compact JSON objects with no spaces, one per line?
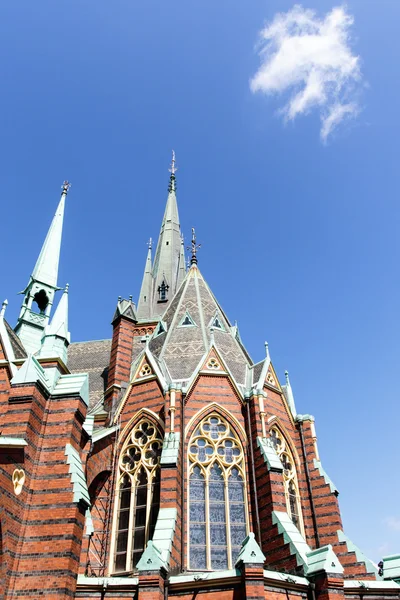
{"x":323,"y":559}
{"x":323,"y":473}
{"x":169,"y":454}
{"x":250,"y":552}
{"x":89,"y":527}
{"x":296,"y":579}
{"x":106,"y":582}
{"x":78,"y":479}
{"x":205,"y":576}
{"x":391,"y":567}
{"x":31,"y":372}
{"x":369,"y":565}
{"x":88,"y":425}
{"x":192,"y":324}
{"x":76,"y":384}
{"x":269,"y":454}
{"x":164,"y":532}
{"x":99,"y":434}
{"x":292,"y":536}
{"x":371,"y":585}
{"x":11,"y":442}
{"x":151,"y":559}
{"x":303,"y":418}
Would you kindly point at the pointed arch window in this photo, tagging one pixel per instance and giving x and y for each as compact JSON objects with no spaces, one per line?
{"x":217,"y":495}
{"x":138,"y":494}
{"x":293,"y":505}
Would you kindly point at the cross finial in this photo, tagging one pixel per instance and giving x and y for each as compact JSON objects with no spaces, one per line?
{"x":173,"y":169}
{"x":150,"y":243}
{"x":194,"y":247}
{"x":3,"y":308}
{"x":65,"y":186}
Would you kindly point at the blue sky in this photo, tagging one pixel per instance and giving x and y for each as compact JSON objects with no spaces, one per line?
{"x":299,"y":237}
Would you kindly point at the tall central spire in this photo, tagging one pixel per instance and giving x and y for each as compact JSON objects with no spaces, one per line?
{"x":167,"y":273}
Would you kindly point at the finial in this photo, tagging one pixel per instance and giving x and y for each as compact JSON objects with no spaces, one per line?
{"x":194,"y":247}
{"x":150,"y":243}
{"x":65,"y":187}
{"x":3,"y":308}
{"x":130,"y":298}
{"x":287,"y":377}
{"x":119,"y":298}
{"x":66,"y":288}
{"x":173,"y":169}
{"x":266,"y":349}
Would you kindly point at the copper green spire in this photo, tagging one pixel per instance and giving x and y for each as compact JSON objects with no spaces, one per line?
{"x":56,"y":336}
{"x":39,"y":293}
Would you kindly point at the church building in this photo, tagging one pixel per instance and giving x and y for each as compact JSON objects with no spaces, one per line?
{"x":162,"y":462}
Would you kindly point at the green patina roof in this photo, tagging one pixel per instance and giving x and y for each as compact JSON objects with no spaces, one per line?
{"x":151,"y":559}
{"x":269,"y":454}
{"x":323,"y":559}
{"x":169,"y":454}
{"x":78,"y":479}
{"x":250,"y":552}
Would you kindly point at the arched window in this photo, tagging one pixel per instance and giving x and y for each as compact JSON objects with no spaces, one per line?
{"x":138,"y":494}
{"x":293,"y":505}
{"x":217,"y":495}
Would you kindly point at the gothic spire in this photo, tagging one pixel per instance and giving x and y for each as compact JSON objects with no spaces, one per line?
{"x":56,"y":336}
{"x":46,"y":268}
{"x":167,"y":270}
{"x":39,"y":293}
{"x":144,"y":304}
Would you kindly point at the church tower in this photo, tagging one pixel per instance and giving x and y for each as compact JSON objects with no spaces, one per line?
{"x":39,"y":293}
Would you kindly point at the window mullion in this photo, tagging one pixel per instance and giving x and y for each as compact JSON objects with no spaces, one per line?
{"x":131,"y":527}
{"x":228,"y":524}
{"x":148,"y":508}
{"x":208,"y":537}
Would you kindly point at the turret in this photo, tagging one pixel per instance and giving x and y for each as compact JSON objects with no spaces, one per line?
{"x":39,"y":293}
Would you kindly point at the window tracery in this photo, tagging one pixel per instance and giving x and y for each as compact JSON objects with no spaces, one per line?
{"x":217,"y":493}
{"x":138,"y":494}
{"x":293,"y":505}
{"x":145,"y":370}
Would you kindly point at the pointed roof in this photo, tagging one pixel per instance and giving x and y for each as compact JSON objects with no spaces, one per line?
{"x":169,"y":261}
{"x":46,"y":268}
{"x":59,"y":323}
{"x":145,"y":297}
{"x":181,"y":348}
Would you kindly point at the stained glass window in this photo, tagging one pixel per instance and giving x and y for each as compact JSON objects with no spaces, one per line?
{"x":284,"y":452}
{"x":138,"y":495}
{"x":217,"y":496}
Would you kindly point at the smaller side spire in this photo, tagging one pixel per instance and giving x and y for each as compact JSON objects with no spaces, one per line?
{"x":194,"y":247}
{"x":182,"y":264}
{"x":56,"y":336}
{"x":146,"y":290}
{"x":287,"y":389}
{"x":3,"y":309}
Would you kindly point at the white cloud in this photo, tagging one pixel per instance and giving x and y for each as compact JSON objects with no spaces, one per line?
{"x":393,"y":523}
{"x":312,"y":59}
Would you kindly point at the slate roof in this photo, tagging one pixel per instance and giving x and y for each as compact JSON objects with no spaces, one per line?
{"x":17,"y":346}
{"x":93,"y":358}
{"x":181,"y":348}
